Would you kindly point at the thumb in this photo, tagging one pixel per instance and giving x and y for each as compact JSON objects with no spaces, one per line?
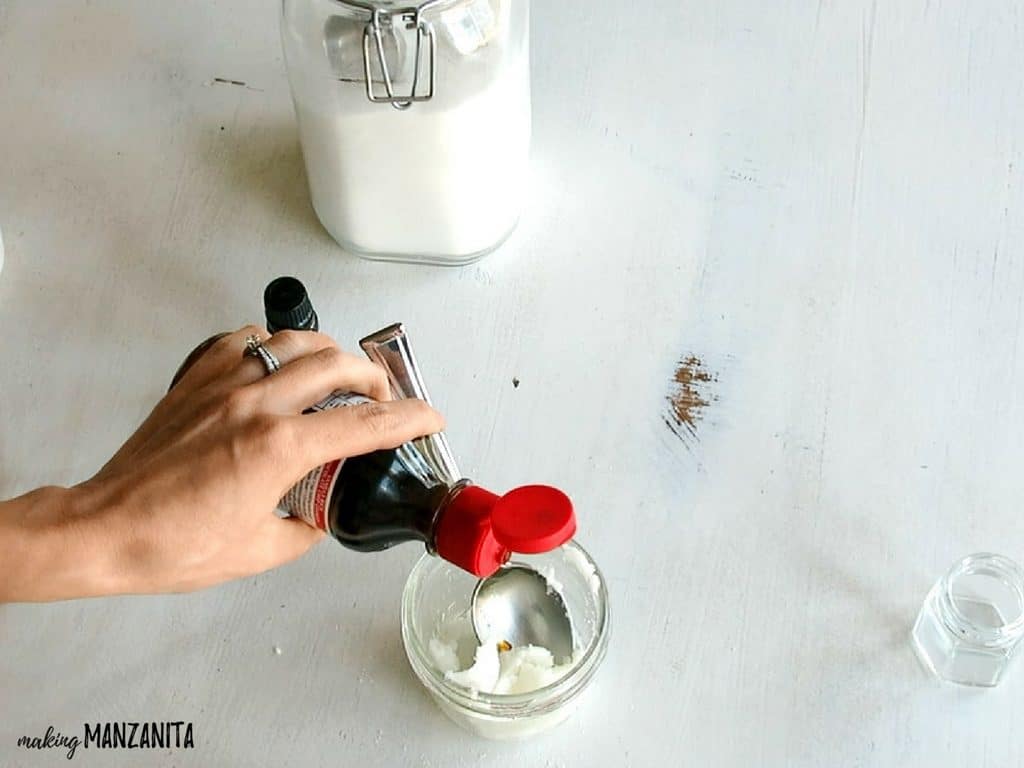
{"x":294,"y":539}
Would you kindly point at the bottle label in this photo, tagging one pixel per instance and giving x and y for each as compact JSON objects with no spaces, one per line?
{"x":309,"y":499}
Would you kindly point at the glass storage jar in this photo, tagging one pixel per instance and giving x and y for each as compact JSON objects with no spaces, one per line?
{"x":972,"y":620}
{"x":414,"y":120}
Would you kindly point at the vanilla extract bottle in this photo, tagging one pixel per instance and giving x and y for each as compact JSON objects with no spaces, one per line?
{"x":414,"y":492}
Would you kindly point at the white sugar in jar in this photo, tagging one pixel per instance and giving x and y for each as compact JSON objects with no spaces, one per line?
{"x":414,"y":122}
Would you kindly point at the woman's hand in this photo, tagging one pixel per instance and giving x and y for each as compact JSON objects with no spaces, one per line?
{"x":189,"y":500}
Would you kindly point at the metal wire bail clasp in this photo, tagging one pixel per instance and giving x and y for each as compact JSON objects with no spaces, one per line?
{"x":373,"y":44}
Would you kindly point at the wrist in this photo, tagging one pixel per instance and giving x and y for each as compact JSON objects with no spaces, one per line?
{"x":92,"y":535}
{"x":58,"y":546}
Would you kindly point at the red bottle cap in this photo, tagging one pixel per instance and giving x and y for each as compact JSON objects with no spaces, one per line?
{"x":533,"y":519}
{"x":479,"y":530}
{"x":464,"y":535}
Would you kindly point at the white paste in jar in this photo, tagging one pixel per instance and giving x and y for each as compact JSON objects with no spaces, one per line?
{"x":520,"y":670}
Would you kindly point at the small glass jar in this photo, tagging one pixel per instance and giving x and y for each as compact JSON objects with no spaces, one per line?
{"x":414,"y":120}
{"x":972,"y":621}
{"x":438,"y":595}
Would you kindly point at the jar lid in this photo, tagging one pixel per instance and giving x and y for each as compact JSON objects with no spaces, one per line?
{"x":398,"y":5}
{"x":468,"y":24}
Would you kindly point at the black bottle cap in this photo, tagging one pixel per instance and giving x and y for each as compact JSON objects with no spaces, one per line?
{"x":288,"y":307}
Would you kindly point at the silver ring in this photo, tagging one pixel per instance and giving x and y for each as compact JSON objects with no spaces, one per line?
{"x":254,"y":348}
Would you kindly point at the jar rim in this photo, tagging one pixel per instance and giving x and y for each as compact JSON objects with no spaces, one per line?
{"x":998,"y":566}
{"x":392,"y":6}
{"x":505,"y":705}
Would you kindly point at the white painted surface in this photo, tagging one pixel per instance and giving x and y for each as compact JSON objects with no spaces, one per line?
{"x":824,"y":202}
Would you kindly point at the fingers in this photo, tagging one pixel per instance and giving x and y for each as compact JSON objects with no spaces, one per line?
{"x":216,"y":367}
{"x":209,"y":361}
{"x":292,"y":539}
{"x":194,"y":357}
{"x":309,"y":379}
{"x":286,"y":346}
{"x":218,"y":359}
{"x":358,"y":429}
{"x":275,"y":542}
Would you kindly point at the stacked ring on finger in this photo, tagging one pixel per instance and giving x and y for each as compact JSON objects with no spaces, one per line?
{"x":254,"y":347}
{"x":310,"y":367}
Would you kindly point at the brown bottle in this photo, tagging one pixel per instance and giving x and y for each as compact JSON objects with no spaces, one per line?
{"x":414,"y":492}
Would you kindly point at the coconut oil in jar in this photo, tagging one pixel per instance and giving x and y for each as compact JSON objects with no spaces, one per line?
{"x":414,"y":122}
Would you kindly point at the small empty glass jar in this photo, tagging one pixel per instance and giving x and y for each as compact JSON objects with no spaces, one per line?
{"x":972,"y":620}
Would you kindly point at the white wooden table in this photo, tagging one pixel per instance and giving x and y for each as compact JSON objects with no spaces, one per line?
{"x":821,"y":205}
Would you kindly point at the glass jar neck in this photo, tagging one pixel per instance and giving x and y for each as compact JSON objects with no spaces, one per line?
{"x":993,"y":619}
{"x":395,"y":6}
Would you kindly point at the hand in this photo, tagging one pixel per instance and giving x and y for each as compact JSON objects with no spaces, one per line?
{"x":188,"y":501}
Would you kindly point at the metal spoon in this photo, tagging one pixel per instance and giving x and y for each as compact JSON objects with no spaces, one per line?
{"x":518,"y":605}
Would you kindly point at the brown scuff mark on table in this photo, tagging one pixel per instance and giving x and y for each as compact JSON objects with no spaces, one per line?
{"x":689,"y":396}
